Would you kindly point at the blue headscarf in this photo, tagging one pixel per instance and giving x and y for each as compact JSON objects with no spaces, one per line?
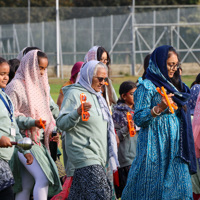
{"x":86,"y":76}
{"x":157,"y":73}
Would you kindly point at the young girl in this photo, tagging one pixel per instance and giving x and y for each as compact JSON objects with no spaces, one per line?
{"x":127,"y":145}
{"x":29,"y":91}
{"x":8,"y":132}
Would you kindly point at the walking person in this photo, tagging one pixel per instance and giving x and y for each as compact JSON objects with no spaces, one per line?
{"x":88,"y":143}
{"x":165,"y":147}
{"x":29,"y":91}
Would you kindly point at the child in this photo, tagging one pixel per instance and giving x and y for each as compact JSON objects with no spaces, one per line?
{"x":127,"y":146}
{"x":8,"y":132}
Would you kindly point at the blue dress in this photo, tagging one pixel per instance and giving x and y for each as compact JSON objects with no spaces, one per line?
{"x":157,"y":171}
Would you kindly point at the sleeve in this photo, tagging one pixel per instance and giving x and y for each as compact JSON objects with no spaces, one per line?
{"x":142,"y":99}
{"x":54,"y":108}
{"x":122,"y":132}
{"x":68,"y":116}
{"x":25,"y":122}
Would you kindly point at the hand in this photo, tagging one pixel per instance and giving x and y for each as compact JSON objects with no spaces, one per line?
{"x":163,"y":105}
{"x":37,"y":123}
{"x":54,"y":138}
{"x":87,"y":106}
{"x":29,"y":158}
{"x":5,"y":142}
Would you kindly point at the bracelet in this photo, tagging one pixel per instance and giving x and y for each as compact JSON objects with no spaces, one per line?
{"x":157,"y":114}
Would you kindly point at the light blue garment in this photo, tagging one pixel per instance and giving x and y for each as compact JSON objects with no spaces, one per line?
{"x":157,"y":171}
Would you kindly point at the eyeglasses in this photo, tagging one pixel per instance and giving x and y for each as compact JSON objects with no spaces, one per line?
{"x":102,"y":79}
{"x":173,"y":66}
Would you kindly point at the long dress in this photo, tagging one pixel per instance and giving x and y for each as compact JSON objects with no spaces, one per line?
{"x":157,"y":171}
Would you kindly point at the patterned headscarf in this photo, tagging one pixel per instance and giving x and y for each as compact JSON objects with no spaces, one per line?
{"x":194,"y":91}
{"x":30,"y":95}
{"x":86,"y":76}
{"x":91,"y":54}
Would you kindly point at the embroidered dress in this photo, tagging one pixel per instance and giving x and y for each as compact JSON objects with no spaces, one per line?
{"x":157,"y":171}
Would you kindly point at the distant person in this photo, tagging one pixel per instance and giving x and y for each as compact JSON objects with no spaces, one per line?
{"x":14,"y":64}
{"x":194,"y":90}
{"x":74,"y":72}
{"x":194,"y":103}
{"x":146,"y":64}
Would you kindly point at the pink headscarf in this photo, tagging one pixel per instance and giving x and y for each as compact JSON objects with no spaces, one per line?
{"x":29,"y":92}
{"x":75,"y":69}
{"x":91,"y":54}
{"x":196,"y":127}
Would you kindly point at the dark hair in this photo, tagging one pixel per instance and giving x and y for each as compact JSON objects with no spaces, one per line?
{"x":197,"y":80}
{"x":146,"y":64}
{"x":176,"y":79}
{"x":2,"y":60}
{"x":29,"y":49}
{"x":100,"y":51}
{"x":125,"y":87}
{"x":41,"y":54}
{"x":14,"y":64}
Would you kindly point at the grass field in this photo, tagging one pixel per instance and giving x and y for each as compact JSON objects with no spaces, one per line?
{"x":57,"y":83}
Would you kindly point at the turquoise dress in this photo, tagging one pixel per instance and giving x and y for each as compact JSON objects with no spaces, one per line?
{"x":157,"y":171}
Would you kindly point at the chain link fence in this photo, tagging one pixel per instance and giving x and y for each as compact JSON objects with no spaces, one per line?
{"x":128,"y":37}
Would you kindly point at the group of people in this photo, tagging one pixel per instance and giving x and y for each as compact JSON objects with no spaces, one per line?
{"x":133,"y":147}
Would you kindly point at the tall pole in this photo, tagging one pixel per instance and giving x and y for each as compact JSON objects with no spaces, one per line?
{"x":28,"y":25}
{"x":133,"y":39}
{"x":57,"y":39}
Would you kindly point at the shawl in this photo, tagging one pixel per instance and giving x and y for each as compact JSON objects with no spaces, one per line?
{"x":196,"y":127}
{"x":157,"y":73}
{"x":91,"y":54}
{"x":86,"y":76}
{"x":75,"y":69}
{"x":119,"y":113}
{"x":29,"y":92}
{"x":193,"y":98}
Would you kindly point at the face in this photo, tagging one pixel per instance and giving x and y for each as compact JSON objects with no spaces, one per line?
{"x":104,"y":58}
{"x":4,"y":74}
{"x":43,"y":63}
{"x":99,"y":79}
{"x":128,"y":97}
{"x":172,"y":65}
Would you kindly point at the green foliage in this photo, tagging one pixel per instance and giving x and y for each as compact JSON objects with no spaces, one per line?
{"x":92,"y":3}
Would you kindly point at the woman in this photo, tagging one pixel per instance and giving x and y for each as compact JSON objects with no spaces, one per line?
{"x":165,"y":147}
{"x":100,"y":54}
{"x":87,"y":141}
{"x":74,"y":72}
{"x":107,"y":91}
{"x":29,"y":91}
{"x":194,"y":104}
